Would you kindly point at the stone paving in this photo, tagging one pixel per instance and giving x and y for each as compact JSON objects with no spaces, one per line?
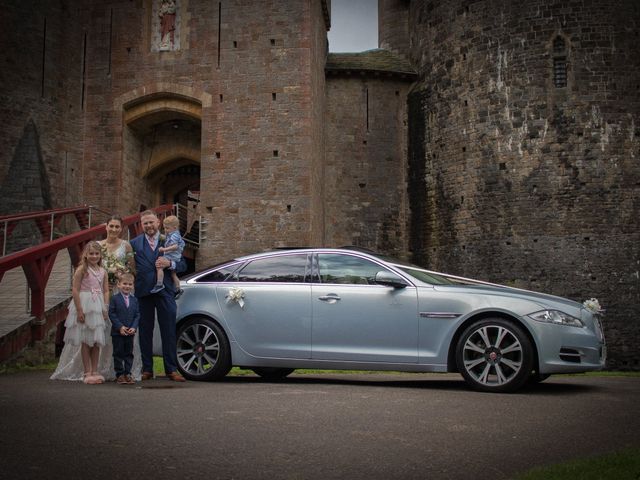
{"x":15,"y":295}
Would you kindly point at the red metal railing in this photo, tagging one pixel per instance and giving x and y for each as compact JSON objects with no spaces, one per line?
{"x":37,"y":262}
{"x":45,"y":221}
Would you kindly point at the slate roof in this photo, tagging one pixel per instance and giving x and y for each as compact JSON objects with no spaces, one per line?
{"x":374,"y":61}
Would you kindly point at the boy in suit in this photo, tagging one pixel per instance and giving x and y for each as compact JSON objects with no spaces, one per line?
{"x":124,"y":314}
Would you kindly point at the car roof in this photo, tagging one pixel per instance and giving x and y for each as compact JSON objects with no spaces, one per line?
{"x":298,"y":250}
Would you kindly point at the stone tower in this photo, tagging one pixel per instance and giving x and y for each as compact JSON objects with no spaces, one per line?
{"x":524,"y":146}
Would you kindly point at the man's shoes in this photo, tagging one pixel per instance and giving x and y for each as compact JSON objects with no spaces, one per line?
{"x":176,"y":377}
{"x":179,"y":292}
{"x":130,"y":380}
{"x":147,"y":376}
{"x":121,"y":380}
{"x":157,"y":288}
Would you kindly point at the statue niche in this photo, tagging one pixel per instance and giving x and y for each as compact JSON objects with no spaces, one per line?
{"x":165,"y":25}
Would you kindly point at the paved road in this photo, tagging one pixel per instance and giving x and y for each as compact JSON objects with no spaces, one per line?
{"x":329,"y":426}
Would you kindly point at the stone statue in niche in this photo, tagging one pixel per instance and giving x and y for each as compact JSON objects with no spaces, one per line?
{"x":167,"y":16}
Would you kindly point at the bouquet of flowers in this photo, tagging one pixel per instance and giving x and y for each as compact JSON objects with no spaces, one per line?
{"x":115,"y":266}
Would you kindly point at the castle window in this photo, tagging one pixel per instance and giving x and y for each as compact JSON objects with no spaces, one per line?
{"x":560,"y":72}
{"x":559,"y":62}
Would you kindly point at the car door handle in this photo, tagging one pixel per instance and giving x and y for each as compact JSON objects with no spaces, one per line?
{"x":331,"y":298}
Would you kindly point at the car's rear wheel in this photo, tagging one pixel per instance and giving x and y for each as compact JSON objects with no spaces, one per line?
{"x":494,"y":355}
{"x":203,"y":350}
{"x":272,"y":373}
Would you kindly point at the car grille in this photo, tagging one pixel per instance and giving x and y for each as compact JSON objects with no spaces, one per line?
{"x":570,"y":355}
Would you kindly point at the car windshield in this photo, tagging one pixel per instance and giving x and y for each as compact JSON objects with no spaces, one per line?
{"x":425,"y":276}
{"x":416,"y":272}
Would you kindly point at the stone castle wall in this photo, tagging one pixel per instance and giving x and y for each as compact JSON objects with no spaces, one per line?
{"x":41,"y":93}
{"x":365,"y":178}
{"x":251,"y":76}
{"x":522,"y":172}
{"x":393,"y":26}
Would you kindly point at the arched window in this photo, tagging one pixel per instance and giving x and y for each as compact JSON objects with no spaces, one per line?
{"x":559,"y":62}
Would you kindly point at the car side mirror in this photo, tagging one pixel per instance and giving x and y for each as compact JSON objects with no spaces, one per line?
{"x":390,"y":279}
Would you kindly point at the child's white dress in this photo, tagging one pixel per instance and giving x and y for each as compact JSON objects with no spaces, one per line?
{"x":92,"y":331}
{"x":70,"y":366}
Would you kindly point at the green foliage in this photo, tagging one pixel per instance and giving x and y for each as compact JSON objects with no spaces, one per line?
{"x":623,"y":465}
{"x":20,"y":367}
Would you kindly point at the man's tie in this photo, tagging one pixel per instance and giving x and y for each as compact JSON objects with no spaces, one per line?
{"x":126,"y":300}
{"x":152,"y":242}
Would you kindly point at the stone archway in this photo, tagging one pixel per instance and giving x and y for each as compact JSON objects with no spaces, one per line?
{"x":161,"y":144}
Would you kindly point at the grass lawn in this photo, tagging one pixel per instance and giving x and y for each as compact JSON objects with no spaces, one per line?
{"x":623,"y":465}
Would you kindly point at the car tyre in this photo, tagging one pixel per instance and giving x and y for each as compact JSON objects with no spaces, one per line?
{"x":273,"y":373}
{"x":203,"y":350}
{"x":536,"y":377}
{"x":494,"y":355}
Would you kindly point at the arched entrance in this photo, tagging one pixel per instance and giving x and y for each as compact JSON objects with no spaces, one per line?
{"x":161,"y":143}
{"x":162,"y":153}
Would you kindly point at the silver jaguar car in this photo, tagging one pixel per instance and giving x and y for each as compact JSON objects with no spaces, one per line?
{"x":346,"y":308}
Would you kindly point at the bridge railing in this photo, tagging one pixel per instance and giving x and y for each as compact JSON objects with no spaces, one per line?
{"x":46,"y":222}
{"x":37,"y":262}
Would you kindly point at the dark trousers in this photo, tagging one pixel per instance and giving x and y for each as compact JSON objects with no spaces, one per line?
{"x":122,"y":354}
{"x":164,"y":305}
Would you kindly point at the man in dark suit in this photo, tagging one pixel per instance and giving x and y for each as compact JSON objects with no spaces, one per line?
{"x":124,"y":314}
{"x":163,"y":302}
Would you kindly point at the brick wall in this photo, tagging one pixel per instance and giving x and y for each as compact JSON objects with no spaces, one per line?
{"x":365,"y":186}
{"x":257,"y":130}
{"x":515,"y":180}
{"x":40,"y":103}
{"x":393,"y":26}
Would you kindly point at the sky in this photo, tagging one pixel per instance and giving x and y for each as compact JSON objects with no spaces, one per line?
{"x":354,"y":25}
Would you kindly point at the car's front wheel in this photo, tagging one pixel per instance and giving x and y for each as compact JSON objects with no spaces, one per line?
{"x":494,"y":355}
{"x":203,"y":350}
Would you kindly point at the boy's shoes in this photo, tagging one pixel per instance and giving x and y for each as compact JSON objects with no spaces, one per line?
{"x":179,"y":292}
{"x":147,"y":376}
{"x":130,"y":380}
{"x":176,"y":377}
{"x":121,"y":380}
{"x":157,"y":288}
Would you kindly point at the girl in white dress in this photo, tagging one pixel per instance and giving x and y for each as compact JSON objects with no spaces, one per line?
{"x":85,"y":324}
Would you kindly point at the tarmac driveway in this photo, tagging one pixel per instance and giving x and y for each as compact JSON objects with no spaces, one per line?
{"x":330,"y":426}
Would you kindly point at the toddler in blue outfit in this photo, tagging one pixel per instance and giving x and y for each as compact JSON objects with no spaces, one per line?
{"x":171,"y":250}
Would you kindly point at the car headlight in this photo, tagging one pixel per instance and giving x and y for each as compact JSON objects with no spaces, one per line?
{"x":557,"y":317}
